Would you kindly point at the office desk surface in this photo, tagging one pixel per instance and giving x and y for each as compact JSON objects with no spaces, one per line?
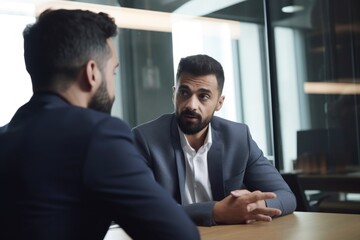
{"x":297,"y":226}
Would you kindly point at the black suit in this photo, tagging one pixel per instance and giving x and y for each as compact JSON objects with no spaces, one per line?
{"x":3,"y":128}
{"x":66,"y":172}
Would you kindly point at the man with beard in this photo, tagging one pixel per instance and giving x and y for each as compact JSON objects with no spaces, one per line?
{"x":67,"y":168}
{"x":210,"y":165}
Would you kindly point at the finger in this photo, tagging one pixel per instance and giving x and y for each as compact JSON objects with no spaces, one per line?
{"x":250,"y":221}
{"x":254,"y":207}
{"x":239,"y":192}
{"x":257,"y":196}
{"x":267,"y":211}
{"x":251,"y":206}
{"x":260,"y":217}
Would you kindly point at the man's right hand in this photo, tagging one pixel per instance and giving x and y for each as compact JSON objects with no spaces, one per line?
{"x":242,"y":206}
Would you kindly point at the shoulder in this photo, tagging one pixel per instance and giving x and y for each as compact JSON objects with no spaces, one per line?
{"x":94,"y":121}
{"x":3,"y":128}
{"x":222,"y":124}
{"x":156,"y":131}
{"x":157,"y":124}
{"x":226,"y":129}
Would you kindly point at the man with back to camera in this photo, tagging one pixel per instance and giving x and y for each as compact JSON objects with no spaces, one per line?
{"x":67,"y":168}
{"x":210,"y":165}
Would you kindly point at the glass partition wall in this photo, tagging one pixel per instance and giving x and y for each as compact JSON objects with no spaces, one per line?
{"x":316,"y":80}
{"x":291,"y":70}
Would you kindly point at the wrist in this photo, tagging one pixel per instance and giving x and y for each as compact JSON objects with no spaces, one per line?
{"x":217,"y":213}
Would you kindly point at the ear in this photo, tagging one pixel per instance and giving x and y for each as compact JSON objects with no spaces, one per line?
{"x":220,"y":103}
{"x":93,"y":75}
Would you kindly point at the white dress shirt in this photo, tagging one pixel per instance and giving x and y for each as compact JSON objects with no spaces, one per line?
{"x":197,"y":183}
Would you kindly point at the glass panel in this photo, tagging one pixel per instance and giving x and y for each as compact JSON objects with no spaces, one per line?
{"x":317,"y":73}
{"x":315,"y":50}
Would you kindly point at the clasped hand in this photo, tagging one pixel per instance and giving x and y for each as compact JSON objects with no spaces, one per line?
{"x":242,"y":206}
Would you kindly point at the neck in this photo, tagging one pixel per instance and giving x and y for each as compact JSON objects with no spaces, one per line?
{"x":75,"y":97}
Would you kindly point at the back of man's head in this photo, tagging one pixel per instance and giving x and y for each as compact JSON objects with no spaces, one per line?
{"x":60,"y":44}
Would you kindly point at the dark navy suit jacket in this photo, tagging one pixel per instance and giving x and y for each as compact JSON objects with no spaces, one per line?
{"x":234,"y":162}
{"x":66,"y":172}
{"x":3,"y":128}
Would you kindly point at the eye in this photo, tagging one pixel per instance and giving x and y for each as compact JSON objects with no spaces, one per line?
{"x":183,"y":92}
{"x":204,"y":96}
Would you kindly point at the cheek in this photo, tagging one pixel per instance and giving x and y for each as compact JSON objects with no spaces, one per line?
{"x":111,"y":85}
{"x":178,"y":104}
{"x":210,"y":109}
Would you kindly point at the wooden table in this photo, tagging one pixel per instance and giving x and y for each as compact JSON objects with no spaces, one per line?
{"x":297,"y":226}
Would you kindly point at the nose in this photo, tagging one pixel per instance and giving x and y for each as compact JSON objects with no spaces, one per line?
{"x":192,"y":103}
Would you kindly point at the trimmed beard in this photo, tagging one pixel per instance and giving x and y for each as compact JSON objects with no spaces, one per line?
{"x":192,"y":128}
{"x":101,"y":101}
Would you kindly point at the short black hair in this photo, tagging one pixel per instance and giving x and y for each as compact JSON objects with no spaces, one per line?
{"x":200,"y":65}
{"x":61,"y":42}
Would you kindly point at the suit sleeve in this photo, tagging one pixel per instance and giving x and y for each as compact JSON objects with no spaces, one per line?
{"x":261,"y":175}
{"x":201,"y":213}
{"x":118,"y":179}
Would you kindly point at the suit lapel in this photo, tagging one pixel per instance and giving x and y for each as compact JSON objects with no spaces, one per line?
{"x":179,"y":157}
{"x":215,"y":168}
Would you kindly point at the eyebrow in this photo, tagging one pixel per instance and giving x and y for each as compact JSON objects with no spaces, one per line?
{"x":202,"y":90}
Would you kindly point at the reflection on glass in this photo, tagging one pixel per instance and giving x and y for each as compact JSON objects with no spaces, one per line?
{"x":317,"y":65}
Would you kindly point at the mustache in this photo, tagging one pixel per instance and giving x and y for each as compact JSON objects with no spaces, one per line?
{"x":190,"y":113}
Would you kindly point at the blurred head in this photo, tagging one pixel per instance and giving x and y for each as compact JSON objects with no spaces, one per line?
{"x":197,"y":93}
{"x":58,"y":47}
